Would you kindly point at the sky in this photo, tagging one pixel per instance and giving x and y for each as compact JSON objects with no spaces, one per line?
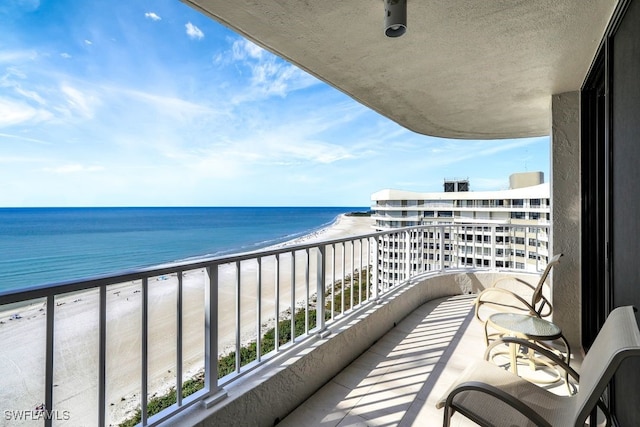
{"x":151,"y":103}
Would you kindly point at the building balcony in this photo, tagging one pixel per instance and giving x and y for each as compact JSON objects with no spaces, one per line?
{"x":186,"y":331}
{"x":414,"y":351}
{"x":544,"y":86}
{"x":399,"y":379}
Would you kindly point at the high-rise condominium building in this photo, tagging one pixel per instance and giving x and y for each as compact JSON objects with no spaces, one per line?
{"x":498,"y":229}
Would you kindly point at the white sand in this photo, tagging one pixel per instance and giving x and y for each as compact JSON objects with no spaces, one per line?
{"x":22,"y":340}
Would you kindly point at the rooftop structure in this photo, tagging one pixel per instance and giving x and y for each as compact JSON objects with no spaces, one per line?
{"x":453,"y":185}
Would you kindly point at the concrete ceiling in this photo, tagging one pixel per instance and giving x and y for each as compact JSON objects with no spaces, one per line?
{"x":480,"y":69}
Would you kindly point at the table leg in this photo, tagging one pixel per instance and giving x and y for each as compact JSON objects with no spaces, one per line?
{"x":513,"y":349}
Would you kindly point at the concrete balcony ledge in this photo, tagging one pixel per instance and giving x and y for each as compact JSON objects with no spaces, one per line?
{"x":275,"y":393}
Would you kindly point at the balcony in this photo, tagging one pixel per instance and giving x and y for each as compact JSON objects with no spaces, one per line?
{"x":96,"y":346}
{"x":400,"y":378}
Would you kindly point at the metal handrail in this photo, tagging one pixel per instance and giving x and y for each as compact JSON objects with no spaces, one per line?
{"x":393,"y":257}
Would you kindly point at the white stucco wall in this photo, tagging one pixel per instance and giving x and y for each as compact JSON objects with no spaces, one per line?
{"x":566,"y":213}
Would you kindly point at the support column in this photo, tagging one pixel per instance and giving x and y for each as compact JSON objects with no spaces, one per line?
{"x":566,"y":213}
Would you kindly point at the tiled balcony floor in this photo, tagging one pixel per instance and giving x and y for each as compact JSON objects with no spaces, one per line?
{"x":398,"y":381}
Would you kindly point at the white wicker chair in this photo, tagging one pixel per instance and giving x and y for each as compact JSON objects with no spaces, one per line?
{"x":493,"y":397}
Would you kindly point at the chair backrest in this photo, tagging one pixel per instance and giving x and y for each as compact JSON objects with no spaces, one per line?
{"x":537,"y":293}
{"x":618,"y":339}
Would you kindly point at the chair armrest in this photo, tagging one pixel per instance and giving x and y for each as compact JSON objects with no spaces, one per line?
{"x":512,"y":280}
{"x":495,"y":392}
{"x":554,"y":358}
{"x":504,"y":300}
{"x":527,"y":291}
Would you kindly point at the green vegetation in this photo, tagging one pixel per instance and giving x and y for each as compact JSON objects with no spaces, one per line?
{"x":359,"y":292}
{"x":248,"y":353}
{"x":358,"y":213}
{"x":157,"y":404}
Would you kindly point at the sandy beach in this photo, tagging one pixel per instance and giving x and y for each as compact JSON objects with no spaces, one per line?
{"x":22,"y":331}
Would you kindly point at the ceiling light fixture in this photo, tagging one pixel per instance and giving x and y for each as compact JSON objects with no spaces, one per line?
{"x":395,"y":17}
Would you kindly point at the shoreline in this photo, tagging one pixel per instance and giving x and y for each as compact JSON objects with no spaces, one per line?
{"x":342,"y":226}
{"x":76,"y":331}
{"x":120,"y":240}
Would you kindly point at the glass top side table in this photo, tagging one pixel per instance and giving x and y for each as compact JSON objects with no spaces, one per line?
{"x":529,"y":328}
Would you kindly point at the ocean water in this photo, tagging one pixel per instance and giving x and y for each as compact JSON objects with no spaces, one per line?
{"x":50,"y":245}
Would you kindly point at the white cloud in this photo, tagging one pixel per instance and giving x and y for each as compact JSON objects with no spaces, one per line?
{"x":313,"y":151}
{"x":176,"y":108}
{"x":19,"y":159}
{"x":29,"y":94}
{"x":65,"y":55}
{"x":16,"y":56}
{"x":79,"y":101}
{"x":241,"y":49}
{"x":74,"y":168}
{"x":13,"y":113}
{"x":13,"y":79}
{"x":450,"y":152}
{"x":193,"y":31}
{"x":88,"y":42}
{"x":24,"y":138}
{"x":278,"y":146}
{"x":269,"y":75}
{"x":12,"y":72}
{"x":152,"y":16}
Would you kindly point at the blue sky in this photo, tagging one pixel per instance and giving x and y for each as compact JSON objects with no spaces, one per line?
{"x":150,"y":103}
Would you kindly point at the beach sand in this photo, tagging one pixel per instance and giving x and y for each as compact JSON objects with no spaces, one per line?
{"x":22,"y":331}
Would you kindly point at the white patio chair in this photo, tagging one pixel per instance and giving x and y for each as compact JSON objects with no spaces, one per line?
{"x":493,"y":397}
{"x":514,"y":295}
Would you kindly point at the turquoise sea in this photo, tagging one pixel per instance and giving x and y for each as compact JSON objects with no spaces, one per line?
{"x":50,"y":245}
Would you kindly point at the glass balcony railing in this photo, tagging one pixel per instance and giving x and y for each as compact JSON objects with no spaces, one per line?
{"x":139,"y":347}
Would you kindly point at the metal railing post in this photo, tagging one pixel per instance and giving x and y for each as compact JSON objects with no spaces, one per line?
{"x":102,"y":358}
{"x":277,"y":303}
{"x":214,"y":393}
{"x":360,"y":276}
{"x":396,"y":247}
{"x":306,"y":291}
{"x":537,"y":248}
{"x":145,"y":350}
{"x":493,"y":247}
{"x":353,"y":287}
{"x":343,"y":278}
{"x":320,"y":292}
{"x":407,"y":255}
{"x":179,"y":319}
{"x":48,"y":382}
{"x":238,"y":316}
{"x":293,"y":297}
{"x":376,"y":268}
{"x":259,"y":309}
{"x":441,"y":252}
{"x":333,"y":280}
